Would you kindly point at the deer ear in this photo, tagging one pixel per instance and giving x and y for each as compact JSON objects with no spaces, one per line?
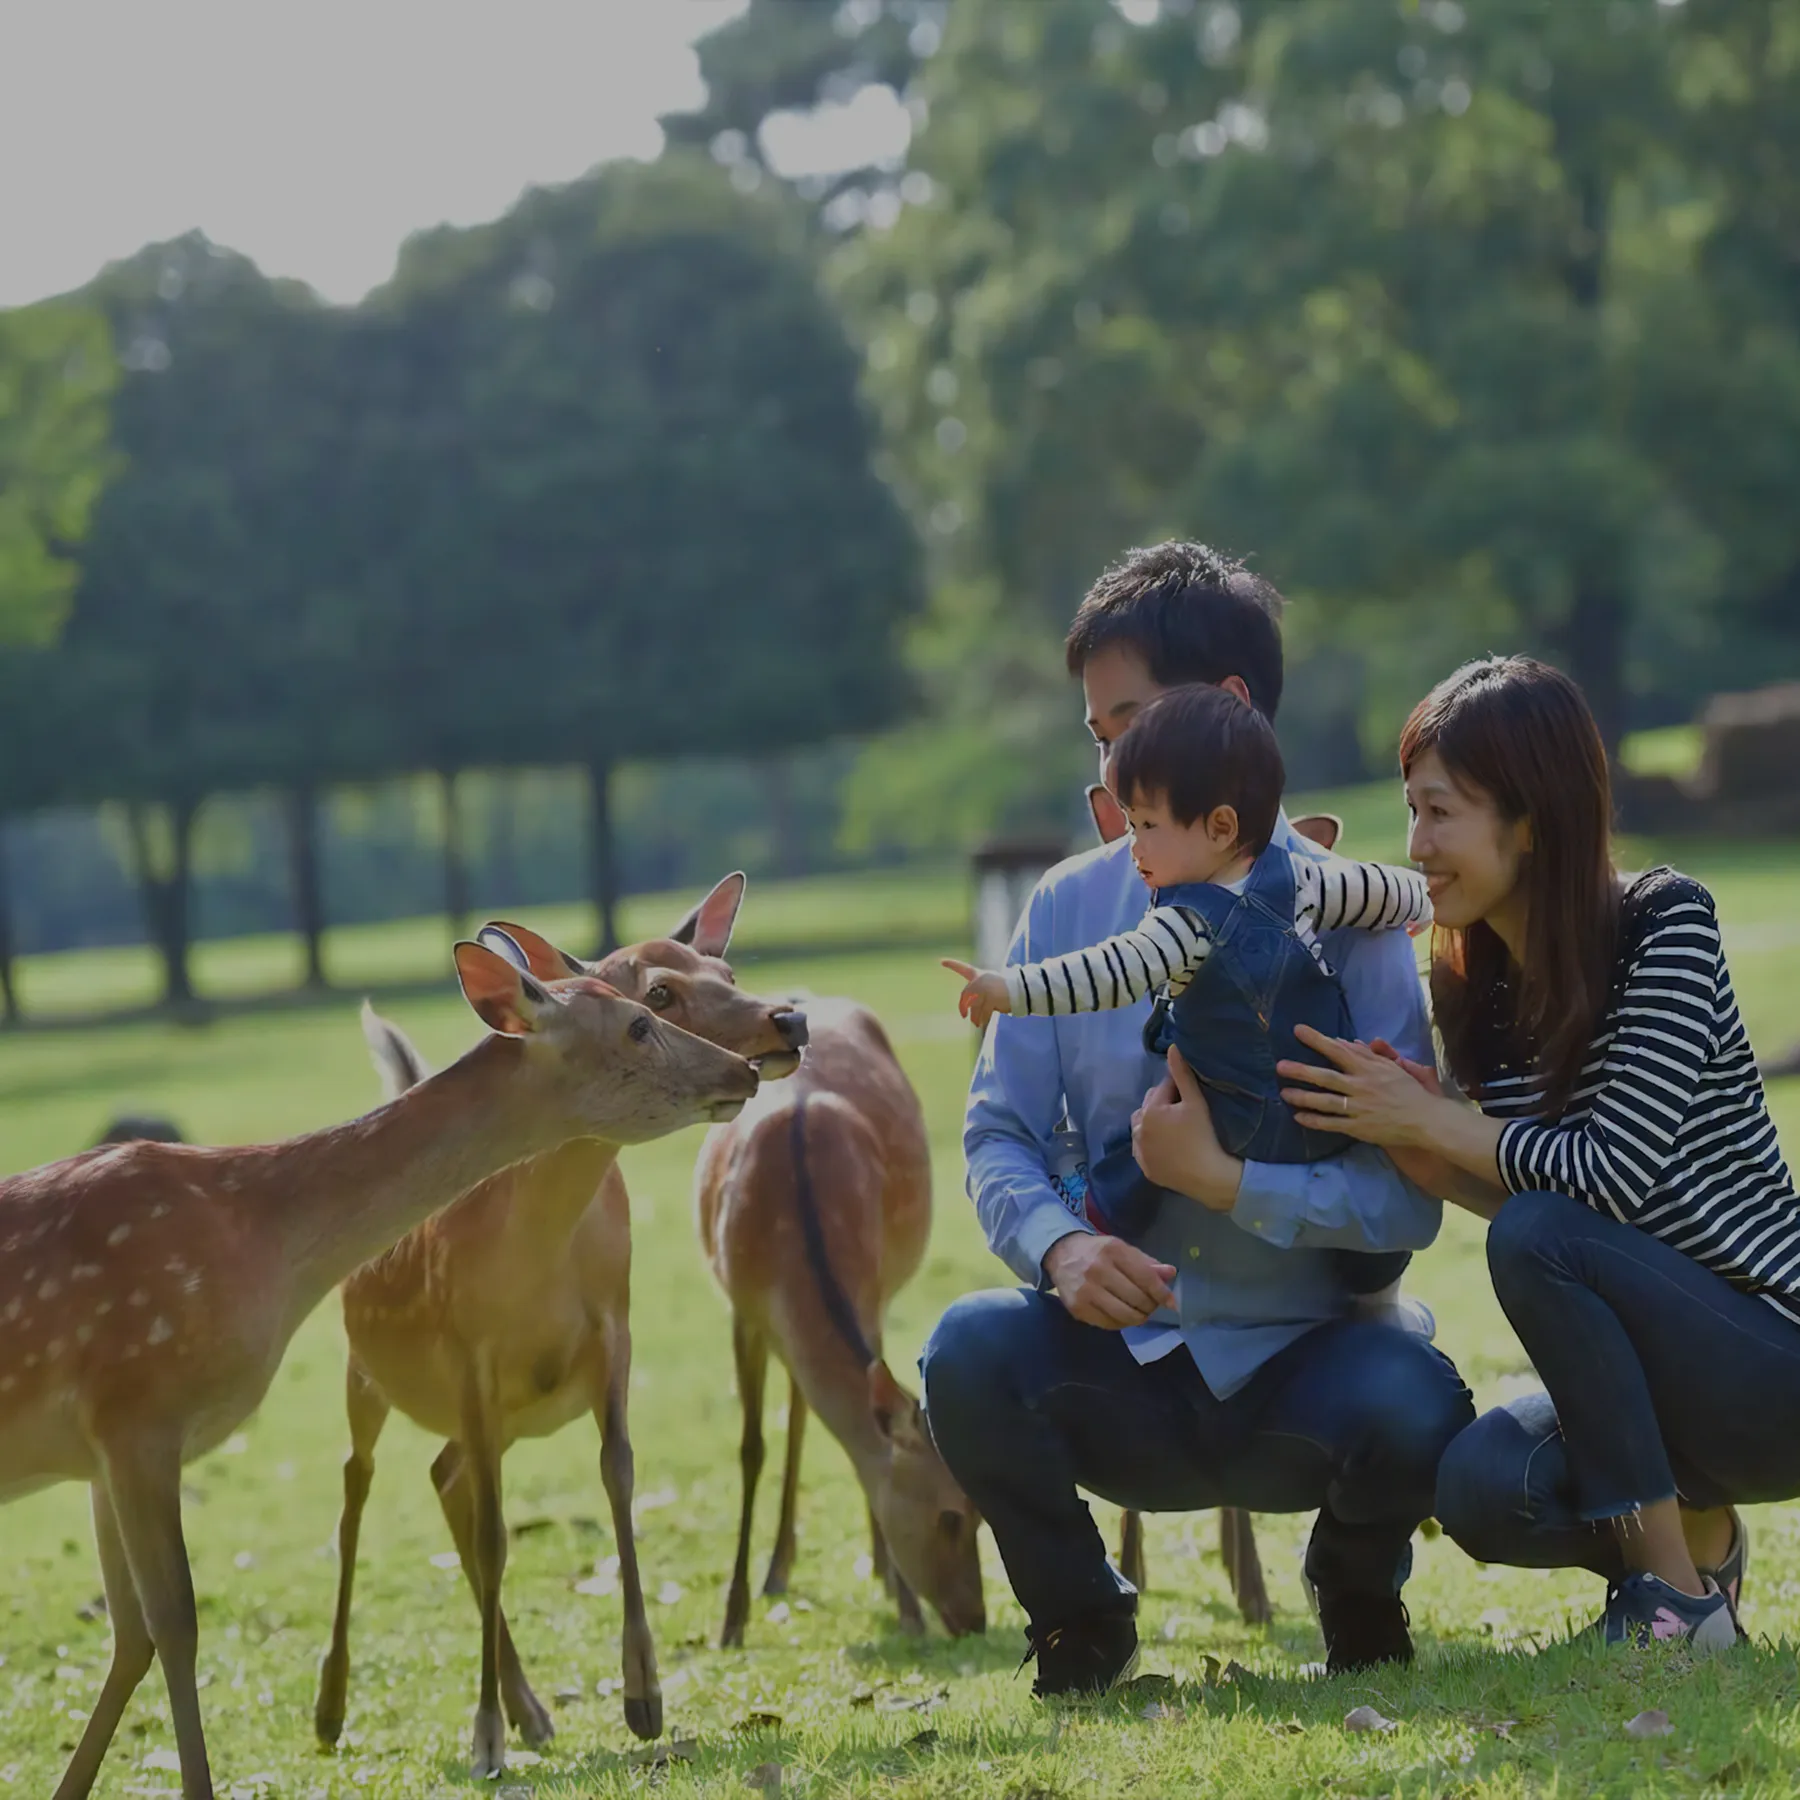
{"x":708,"y":927}
{"x":537,"y":954}
{"x":1108,"y":814}
{"x":506,"y":998}
{"x":896,"y":1411}
{"x":1323,"y":828}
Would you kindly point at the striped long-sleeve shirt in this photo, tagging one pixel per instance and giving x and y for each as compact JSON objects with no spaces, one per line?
{"x":1668,"y":1128}
{"x":1172,"y":942}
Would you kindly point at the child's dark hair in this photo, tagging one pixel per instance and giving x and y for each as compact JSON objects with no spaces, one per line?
{"x":1199,"y":748}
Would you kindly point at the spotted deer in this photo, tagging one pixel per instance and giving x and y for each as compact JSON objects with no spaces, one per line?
{"x":507,"y":1316}
{"x":148,"y":1291}
{"x":813,"y":1213}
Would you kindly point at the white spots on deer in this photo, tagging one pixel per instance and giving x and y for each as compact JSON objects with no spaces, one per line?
{"x":51,"y":1288}
{"x":118,"y":1235}
{"x":191,"y":1284}
{"x":175,"y":1266}
{"x":160,"y":1330}
{"x":137,"y":1297}
{"x":85,"y":1272}
{"x":161,"y":1211}
{"x":84,"y":1334}
{"x":8,"y":1383}
{"x":13,"y":1308}
{"x":102,"y":1309}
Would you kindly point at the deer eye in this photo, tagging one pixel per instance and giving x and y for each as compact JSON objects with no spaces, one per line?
{"x":660,"y":997}
{"x":638,"y":1029}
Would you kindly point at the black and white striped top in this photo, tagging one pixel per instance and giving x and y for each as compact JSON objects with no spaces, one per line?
{"x":1668,"y":1128}
{"x":1171,"y":942}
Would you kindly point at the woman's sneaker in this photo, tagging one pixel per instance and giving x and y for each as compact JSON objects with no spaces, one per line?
{"x":1728,"y":1577}
{"x":1643,"y":1610}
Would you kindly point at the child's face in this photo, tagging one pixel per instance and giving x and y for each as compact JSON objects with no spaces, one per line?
{"x":1167,"y":852}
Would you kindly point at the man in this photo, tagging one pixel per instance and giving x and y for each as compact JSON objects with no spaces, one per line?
{"x":1216,"y":1362}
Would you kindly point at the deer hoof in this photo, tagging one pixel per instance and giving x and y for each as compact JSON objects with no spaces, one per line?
{"x":643,"y":1715}
{"x":328,"y":1728}
{"x":775,"y":1583}
{"x":533,"y":1723}
{"x":487,"y":1755}
{"x":328,"y":1711}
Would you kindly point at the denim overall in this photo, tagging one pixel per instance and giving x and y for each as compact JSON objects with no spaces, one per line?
{"x":1233,"y":1023}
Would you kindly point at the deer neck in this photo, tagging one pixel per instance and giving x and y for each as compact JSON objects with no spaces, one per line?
{"x":345,"y":1194}
{"x":550,"y":1194}
{"x":836,"y":1386}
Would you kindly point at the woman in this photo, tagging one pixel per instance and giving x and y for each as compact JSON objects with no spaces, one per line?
{"x":1645,"y":1242}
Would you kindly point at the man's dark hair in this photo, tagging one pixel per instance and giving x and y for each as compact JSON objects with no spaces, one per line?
{"x":1192,"y":614}
{"x":1197,"y":748}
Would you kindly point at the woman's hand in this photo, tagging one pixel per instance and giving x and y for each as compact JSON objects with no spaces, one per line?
{"x":1173,"y":1139}
{"x":1374,"y":1097}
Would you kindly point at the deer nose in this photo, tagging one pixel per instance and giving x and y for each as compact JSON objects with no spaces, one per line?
{"x":792,"y":1026}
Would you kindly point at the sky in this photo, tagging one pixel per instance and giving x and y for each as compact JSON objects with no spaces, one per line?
{"x":314,"y":135}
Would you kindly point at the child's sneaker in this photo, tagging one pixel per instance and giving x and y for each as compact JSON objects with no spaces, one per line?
{"x":1643,"y":1610}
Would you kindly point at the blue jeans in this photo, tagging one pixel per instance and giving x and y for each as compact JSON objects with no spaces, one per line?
{"x":1028,"y":1405}
{"x":1664,"y":1380}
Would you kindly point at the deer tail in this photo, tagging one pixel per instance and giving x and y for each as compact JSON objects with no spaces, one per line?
{"x":398,"y":1064}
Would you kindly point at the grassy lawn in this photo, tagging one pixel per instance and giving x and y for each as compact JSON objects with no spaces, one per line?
{"x":826,"y":1690}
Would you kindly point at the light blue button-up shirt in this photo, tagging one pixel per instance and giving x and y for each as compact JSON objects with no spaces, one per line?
{"x":1249,"y":1281}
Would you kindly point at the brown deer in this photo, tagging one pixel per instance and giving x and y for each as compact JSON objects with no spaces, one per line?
{"x":148,"y":1291}
{"x":508,"y":1315}
{"x":813,"y":1215}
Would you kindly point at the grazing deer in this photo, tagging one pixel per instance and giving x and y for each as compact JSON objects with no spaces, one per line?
{"x":813,"y":1214}
{"x":508,"y":1315}
{"x":1237,"y":1536}
{"x":148,"y":1291}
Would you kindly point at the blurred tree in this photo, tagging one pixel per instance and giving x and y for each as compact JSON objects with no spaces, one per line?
{"x":56,"y":378}
{"x":795,"y":56}
{"x":668,"y":537}
{"x":1389,"y":295}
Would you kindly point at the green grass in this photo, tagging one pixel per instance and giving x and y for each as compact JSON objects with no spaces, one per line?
{"x":861,"y":1710}
{"x":816,"y":913}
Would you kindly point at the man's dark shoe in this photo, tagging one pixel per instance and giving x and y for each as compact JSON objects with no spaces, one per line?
{"x":1362,"y":1630}
{"x":1092,"y":1656}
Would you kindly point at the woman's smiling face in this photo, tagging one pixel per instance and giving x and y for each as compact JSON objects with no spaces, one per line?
{"x":1470,"y":855}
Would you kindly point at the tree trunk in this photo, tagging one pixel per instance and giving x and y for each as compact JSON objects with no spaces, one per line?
{"x":456,"y":873}
{"x":309,"y":897}
{"x":602,"y":865}
{"x":1592,"y":645}
{"x":166,"y":897}
{"x":9,"y":998}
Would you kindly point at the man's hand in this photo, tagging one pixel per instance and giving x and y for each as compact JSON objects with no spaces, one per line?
{"x":1107,"y":1282}
{"x":984,"y":993}
{"x":1173,"y":1139}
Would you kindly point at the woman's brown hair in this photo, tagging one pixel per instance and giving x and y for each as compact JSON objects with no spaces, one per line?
{"x":1520,"y":732}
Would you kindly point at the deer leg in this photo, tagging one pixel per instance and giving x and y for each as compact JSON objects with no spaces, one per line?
{"x":751,"y":1349}
{"x":481,"y":1470}
{"x":368,"y":1412}
{"x":1131,"y":1549}
{"x":912,"y":1621}
{"x":131,"y":1657}
{"x":781,"y":1564}
{"x":524,"y":1710}
{"x":143,"y":1489}
{"x":881,"y":1564}
{"x":618,"y":1474}
{"x":1243,"y":1565}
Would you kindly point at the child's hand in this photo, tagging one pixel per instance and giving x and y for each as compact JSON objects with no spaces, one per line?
{"x":984,"y":993}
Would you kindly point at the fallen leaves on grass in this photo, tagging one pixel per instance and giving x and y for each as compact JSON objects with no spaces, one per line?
{"x":1366,"y":1718}
{"x":657,"y":1756}
{"x":1654,"y":1723}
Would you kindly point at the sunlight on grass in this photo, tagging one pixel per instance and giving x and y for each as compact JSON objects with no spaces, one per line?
{"x":826,"y":1688}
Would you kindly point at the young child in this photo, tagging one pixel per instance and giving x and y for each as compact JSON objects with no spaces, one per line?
{"x":1229,"y":944}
